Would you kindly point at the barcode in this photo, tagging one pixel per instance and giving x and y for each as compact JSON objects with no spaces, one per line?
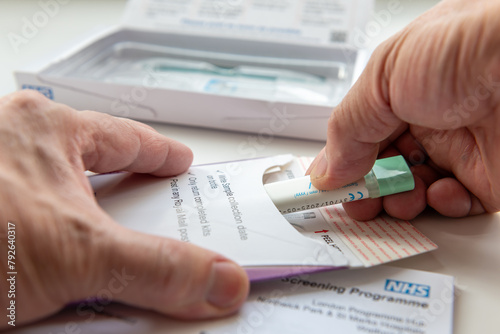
{"x":338,"y":36}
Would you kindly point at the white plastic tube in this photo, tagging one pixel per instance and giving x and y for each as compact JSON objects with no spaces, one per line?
{"x":388,"y":176}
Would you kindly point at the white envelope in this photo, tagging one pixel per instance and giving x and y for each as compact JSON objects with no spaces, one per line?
{"x":225,"y":208}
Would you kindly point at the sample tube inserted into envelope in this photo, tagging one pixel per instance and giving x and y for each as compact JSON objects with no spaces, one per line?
{"x":224,"y":207}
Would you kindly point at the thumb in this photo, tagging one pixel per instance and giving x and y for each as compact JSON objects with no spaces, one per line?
{"x":357,"y":129}
{"x":170,"y":276}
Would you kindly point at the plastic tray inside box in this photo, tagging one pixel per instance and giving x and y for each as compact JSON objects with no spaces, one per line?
{"x":269,"y":75}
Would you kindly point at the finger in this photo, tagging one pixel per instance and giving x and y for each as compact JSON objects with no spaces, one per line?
{"x":426,"y":173}
{"x":390,"y":151}
{"x":316,"y":161}
{"x":411,"y":149}
{"x":111,"y":143}
{"x":409,"y":204}
{"x":364,"y":210}
{"x":450,"y":198}
{"x":169,"y":276}
{"x":356,"y":128}
{"x":405,"y":205}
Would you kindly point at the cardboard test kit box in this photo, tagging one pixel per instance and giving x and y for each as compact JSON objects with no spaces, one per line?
{"x":271,"y":67}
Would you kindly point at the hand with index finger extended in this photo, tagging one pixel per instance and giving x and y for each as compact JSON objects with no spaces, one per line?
{"x":68,"y":248}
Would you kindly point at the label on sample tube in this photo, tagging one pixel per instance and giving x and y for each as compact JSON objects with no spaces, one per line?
{"x":299,"y":194}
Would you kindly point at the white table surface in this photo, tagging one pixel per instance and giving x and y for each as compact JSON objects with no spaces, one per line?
{"x":469,"y":248}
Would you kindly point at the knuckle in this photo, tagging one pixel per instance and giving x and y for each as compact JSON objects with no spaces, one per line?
{"x":27,"y":101}
{"x":95,"y":125}
{"x":31,"y":107}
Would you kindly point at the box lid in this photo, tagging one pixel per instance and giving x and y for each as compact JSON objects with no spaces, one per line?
{"x":318,"y":22}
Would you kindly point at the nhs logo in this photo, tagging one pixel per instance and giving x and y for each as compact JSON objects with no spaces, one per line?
{"x":407,"y":288}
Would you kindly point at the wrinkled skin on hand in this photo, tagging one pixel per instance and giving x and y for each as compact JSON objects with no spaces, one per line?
{"x":67,"y":248}
{"x":432,"y":94}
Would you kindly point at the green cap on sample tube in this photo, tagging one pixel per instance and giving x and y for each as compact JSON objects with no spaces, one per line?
{"x":389,"y":176}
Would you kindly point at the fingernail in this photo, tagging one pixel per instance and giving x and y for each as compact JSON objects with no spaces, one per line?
{"x":229,"y":285}
{"x":320,"y":169}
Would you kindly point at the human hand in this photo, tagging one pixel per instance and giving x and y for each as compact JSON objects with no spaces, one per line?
{"x":67,"y":248}
{"x":432,"y":94}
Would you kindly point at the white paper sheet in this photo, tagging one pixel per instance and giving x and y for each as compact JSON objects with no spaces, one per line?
{"x":379,"y":300}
